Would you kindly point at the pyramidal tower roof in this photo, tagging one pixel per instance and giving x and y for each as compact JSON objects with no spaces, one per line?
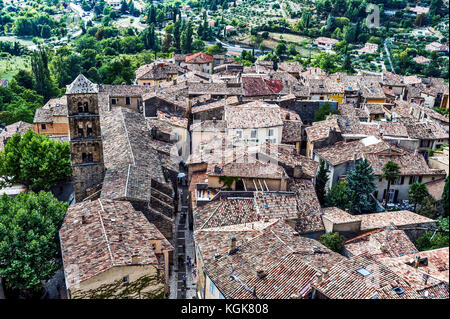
{"x":81,"y":85}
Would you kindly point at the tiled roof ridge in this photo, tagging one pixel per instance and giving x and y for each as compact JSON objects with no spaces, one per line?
{"x":213,"y":213}
{"x":128,"y":136}
{"x":104,"y":232}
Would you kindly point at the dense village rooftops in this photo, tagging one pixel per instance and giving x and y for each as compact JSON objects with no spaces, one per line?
{"x":220,"y":104}
{"x":199,"y":58}
{"x":102,"y":234}
{"x":81,"y":85}
{"x":251,"y":168}
{"x":396,"y":129}
{"x":290,"y":67}
{"x":198,"y":88}
{"x":408,"y":162}
{"x":289,"y":264}
{"x":433,"y":262}
{"x":362,"y":277}
{"x":381,"y":243}
{"x":342,"y":152}
{"x":396,"y":218}
{"x":259,"y":86}
{"x":255,"y":114}
{"x":321,"y":130}
{"x":124,"y":90}
{"x":424,"y":130}
{"x":158,"y":70}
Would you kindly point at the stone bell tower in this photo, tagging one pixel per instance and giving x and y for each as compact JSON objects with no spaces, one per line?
{"x":85,"y":135}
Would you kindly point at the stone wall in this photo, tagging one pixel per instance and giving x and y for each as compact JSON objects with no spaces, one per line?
{"x":86,"y":176}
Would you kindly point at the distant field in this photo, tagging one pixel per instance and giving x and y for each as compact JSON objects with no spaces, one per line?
{"x":25,"y":41}
{"x":9,"y":66}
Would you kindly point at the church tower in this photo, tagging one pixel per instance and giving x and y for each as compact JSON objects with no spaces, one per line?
{"x":85,"y":135}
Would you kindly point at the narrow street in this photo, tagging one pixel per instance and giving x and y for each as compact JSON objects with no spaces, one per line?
{"x":184,"y":249}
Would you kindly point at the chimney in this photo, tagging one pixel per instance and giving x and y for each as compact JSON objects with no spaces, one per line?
{"x":425,"y":278}
{"x":319,"y":278}
{"x":416,"y":261}
{"x":83,"y":220}
{"x":324,"y":272}
{"x":120,"y":237}
{"x":232,"y":245}
{"x":261,"y":274}
{"x":134,"y":259}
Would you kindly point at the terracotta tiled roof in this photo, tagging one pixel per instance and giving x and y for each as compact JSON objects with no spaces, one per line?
{"x":396,"y":218}
{"x":101,"y":234}
{"x":309,"y":213}
{"x":199,"y":57}
{"x":338,"y":216}
{"x":289,"y":263}
{"x":343,"y":281}
{"x":383,"y":243}
{"x":409,"y":163}
{"x":321,"y":130}
{"x":9,"y":130}
{"x":158,"y":70}
{"x":435,"y":270}
{"x":126,"y":139}
{"x":436,"y":188}
{"x":342,"y":152}
{"x":255,"y":114}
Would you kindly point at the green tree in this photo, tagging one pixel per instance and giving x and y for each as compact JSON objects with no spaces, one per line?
{"x":360,"y":186}
{"x":417,"y":193}
{"x":29,"y":225}
{"x":186,"y":38}
{"x":323,"y":111}
{"x":337,"y":196}
{"x":45,"y":83}
{"x":321,"y":181}
{"x":431,"y":240}
{"x":428,"y":207}
{"x":333,"y":241}
{"x":35,"y":161}
{"x":391,"y":172}
{"x":445,"y":197}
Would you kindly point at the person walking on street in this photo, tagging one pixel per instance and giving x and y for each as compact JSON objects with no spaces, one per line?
{"x":184,"y":280}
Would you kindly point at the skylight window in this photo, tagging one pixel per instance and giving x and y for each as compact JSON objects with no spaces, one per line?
{"x":398,"y":290}
{"x":363,"y":272}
